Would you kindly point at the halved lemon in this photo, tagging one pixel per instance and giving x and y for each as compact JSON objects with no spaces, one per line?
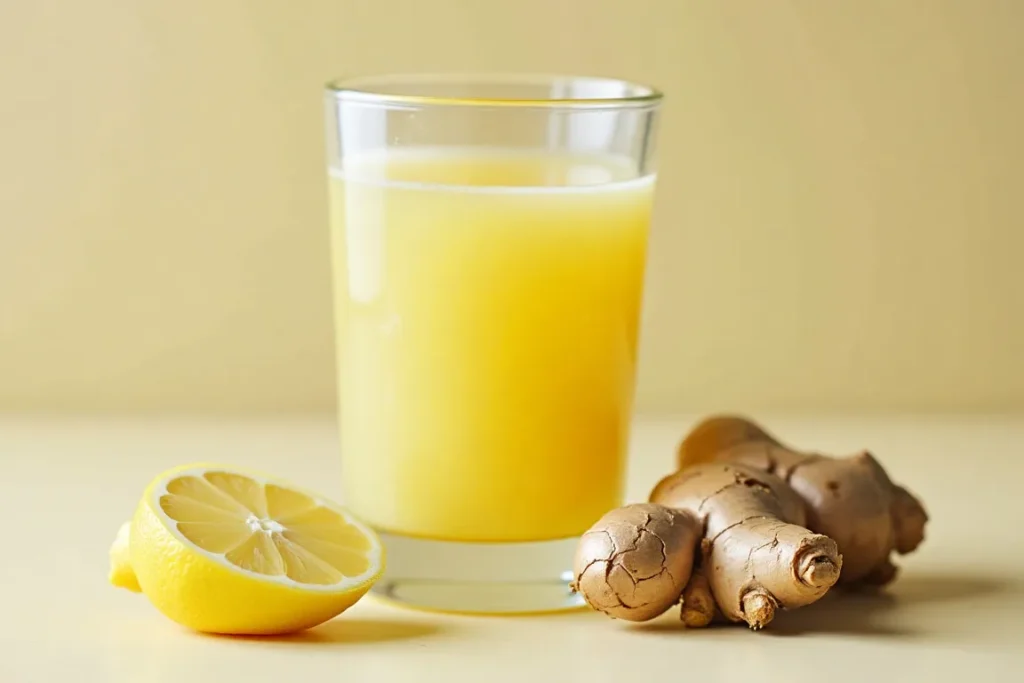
{"x":222,"y":550}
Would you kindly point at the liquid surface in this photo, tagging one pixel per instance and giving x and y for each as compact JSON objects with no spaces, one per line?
{"x":487,"y":309}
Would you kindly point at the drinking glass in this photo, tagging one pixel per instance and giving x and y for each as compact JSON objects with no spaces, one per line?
{"x":489,"y":238}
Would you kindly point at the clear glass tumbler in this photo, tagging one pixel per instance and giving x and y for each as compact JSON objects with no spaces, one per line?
{"x":489,"y":238}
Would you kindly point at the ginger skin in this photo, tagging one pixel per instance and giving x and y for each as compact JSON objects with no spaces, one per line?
{"x":849,"y":499}
{"x":758,"y":555}
{"x":634,"y":562}
{"x":698,"y":605}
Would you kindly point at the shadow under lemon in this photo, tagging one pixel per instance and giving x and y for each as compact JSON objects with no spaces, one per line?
{"x":352,"y":631}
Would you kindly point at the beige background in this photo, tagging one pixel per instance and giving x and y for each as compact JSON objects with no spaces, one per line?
{"x":839,"y":225}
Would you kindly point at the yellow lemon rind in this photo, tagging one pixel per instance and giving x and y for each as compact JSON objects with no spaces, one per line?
{"x":204,"y":591}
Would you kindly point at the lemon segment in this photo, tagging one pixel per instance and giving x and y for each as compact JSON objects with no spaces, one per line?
{"x":222,"y":550}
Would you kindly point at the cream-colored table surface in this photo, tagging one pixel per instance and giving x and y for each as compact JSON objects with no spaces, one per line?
{"x":957,"y":611}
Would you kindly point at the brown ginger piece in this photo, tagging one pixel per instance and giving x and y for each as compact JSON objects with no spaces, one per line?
{"x":716,"y":434}
{"x":758,"y":557}
{"x":698,"y":605}
{"x":634,"y":562}
{"x":850,"y":499}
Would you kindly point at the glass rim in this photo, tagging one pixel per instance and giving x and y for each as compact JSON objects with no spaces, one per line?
{"x":370,"y":89}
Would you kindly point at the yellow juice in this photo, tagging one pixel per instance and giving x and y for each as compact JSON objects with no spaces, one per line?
{"x":487,"y":306}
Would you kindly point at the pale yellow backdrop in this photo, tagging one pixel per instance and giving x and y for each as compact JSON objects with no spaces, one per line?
{"x":839,"y":225}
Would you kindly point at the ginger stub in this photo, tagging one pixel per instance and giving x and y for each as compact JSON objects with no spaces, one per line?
{"x":698,"y":608}
{"x":633,"y":563}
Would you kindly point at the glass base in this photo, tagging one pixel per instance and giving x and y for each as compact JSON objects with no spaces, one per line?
{"x":478,"y":578}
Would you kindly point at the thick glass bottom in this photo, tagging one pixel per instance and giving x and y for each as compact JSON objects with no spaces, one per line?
{"x":478,"y":578}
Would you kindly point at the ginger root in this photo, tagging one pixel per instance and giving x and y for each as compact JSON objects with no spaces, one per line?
{"x":634,"y":562}
{"x":758,"y":555}
{"x":745,"y":528}
{"x":849,"y":499}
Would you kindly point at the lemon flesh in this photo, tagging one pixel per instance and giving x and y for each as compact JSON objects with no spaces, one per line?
{"x":222,"y":550}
